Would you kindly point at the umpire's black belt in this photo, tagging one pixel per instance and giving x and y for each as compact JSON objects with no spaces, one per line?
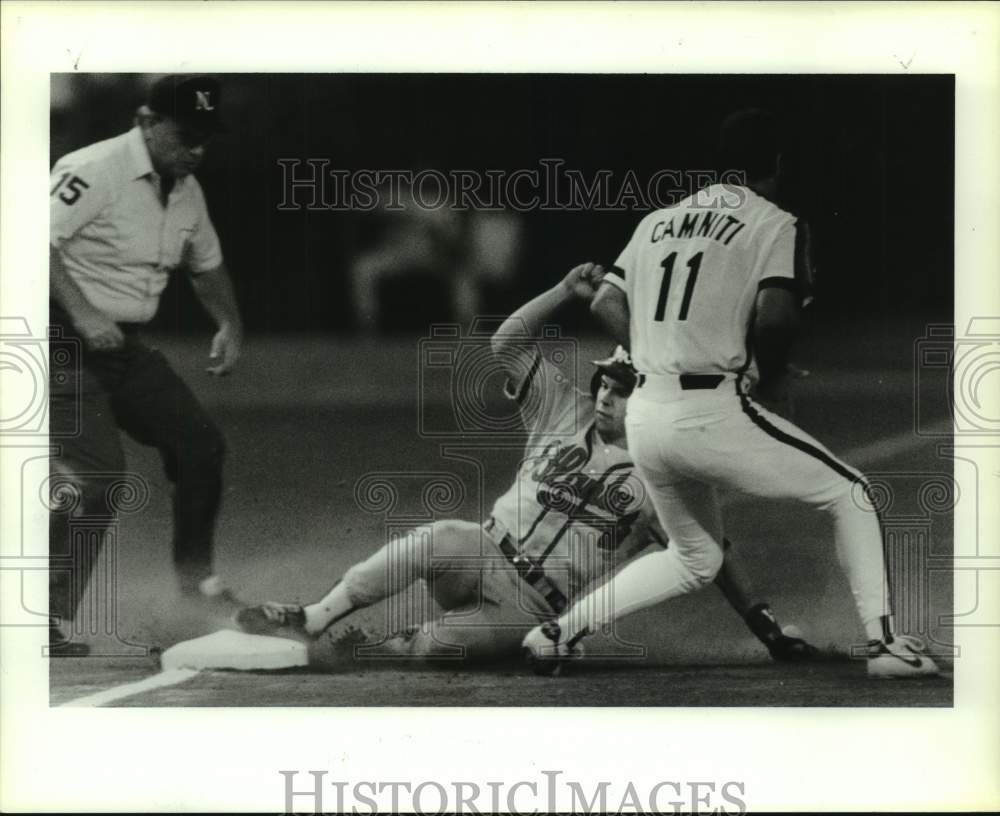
{"x":530,"y":572}
{"x":59,"y":317}
{"x":690,"y":382}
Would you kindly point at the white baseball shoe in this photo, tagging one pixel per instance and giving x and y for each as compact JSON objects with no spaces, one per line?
{"x":545,"y":648}
{"x":902,"y":656}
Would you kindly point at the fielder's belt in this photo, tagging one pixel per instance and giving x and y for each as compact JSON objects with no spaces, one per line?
{"x":688,"y":382}
{"x":529,"y":571}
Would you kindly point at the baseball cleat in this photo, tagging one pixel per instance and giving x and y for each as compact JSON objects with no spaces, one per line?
{"x":786,"y":649}
{"x":545,"y":648}
{"x":273,"y":619}
{"x":345,"y":646}
{"x":898,"y":657}
{"x":62,"y":646}
{"x":786,"y":644}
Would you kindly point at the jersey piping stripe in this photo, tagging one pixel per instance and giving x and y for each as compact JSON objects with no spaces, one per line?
{"x":794,"y":441}
{"x":826,"y":459}
{"x":531,"y":532}
{"x":522,"y":392}
{"x":570,"y":517}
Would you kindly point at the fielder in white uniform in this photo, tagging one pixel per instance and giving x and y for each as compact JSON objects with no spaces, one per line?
{"x":575,"y":512}
{"x":701,"y":290}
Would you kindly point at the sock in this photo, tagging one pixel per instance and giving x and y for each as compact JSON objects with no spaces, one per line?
{"x":880,"y":629}
{"x":334,"y":605}
{"x":858,"y":537}
{"x":763,"y":624}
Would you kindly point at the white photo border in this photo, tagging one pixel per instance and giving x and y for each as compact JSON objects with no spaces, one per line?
{"x":229,"y":759}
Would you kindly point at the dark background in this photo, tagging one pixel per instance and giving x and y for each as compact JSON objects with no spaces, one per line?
{"x":308,"y":416}
{"x":871,"y":161}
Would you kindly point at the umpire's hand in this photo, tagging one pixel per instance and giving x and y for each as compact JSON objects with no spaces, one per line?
{"x":226,"y":347}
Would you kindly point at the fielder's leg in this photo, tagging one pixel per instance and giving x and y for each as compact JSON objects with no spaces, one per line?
{"x":690,"y":515}
{"x":780,"y":461}
{"x":689,"y":512}
{"x":770,"y":457}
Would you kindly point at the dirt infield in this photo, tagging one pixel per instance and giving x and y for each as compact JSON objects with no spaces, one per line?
{"x":836,"y":683}
{"x":291,"y":524}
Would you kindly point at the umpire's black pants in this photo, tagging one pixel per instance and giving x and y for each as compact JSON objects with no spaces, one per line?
{"x":133,"y":389}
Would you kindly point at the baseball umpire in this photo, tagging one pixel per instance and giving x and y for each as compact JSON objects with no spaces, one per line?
{"x":125,"y":214}
{"x":575,"y":512}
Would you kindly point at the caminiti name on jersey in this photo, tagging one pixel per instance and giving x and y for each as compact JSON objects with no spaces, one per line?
{"x":705,"y":256}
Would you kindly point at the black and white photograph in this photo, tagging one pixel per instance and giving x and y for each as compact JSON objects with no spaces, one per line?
{"x":532,"y":398}
{"x":357,"y":407}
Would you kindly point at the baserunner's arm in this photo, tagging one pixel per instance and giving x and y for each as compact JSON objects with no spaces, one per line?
{"x":610,"y":307}
{"x":519,"y":333}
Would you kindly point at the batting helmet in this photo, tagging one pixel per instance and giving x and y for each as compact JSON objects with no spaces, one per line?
{"x":618,"y":367}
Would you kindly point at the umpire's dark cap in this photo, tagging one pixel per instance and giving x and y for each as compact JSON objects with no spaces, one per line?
{"x":192,"y":100}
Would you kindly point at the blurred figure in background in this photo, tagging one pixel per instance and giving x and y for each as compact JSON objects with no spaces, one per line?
{"x":125,"y":213}
{"x":463,"y":252}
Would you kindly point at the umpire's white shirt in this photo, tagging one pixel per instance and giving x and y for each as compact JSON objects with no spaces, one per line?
{"x":691,"y":274}
{"x":119,"y":243}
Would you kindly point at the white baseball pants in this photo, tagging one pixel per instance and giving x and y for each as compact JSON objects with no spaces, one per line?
{"x":688,"y":445}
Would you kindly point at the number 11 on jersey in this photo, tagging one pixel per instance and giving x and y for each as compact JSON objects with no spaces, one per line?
{"x":693,"y":264}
